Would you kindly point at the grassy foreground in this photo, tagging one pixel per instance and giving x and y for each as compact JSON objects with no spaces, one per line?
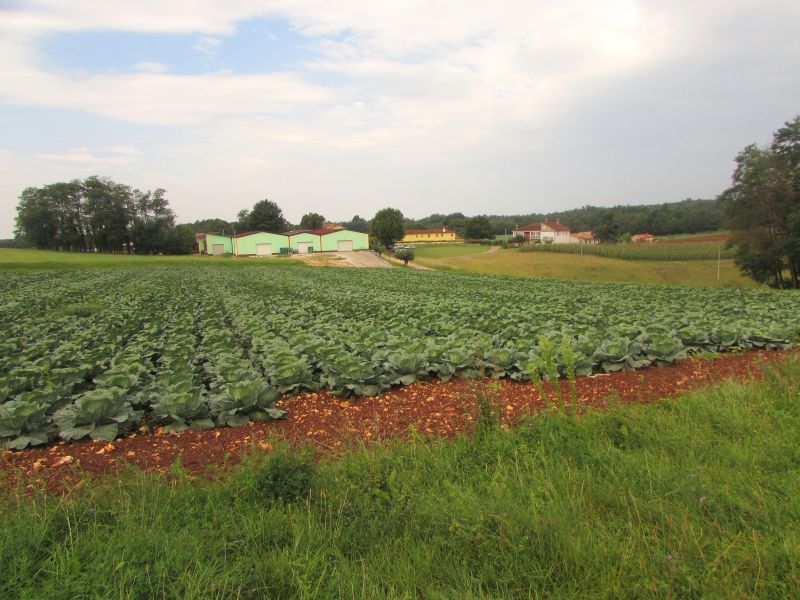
{"x":597,"y":268}
{"x":17,"y":260}
{"x":680,"y":499}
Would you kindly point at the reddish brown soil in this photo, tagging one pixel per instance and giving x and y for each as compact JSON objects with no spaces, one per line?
{"x":718,"y":237}
{"x":431,"y":408}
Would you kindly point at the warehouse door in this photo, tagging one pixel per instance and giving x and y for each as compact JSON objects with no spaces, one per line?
{"x":303,"y":247}
{"x":218,"y":249}
{"x":263,"y":249}
{"x":344,"y":245}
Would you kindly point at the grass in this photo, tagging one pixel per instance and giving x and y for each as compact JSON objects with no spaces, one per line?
{"x":597,"y":268}
{"x":17,"y":260}
{"x":641,"y":251}
{"x":694,"y":497}
{"x":448,"y":251}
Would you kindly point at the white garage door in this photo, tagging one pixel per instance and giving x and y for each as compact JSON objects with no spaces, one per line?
{"x":263,"y":249}
{"x":218,"y":249}
{"x":304,"y":247}
{"x":344,"y":245}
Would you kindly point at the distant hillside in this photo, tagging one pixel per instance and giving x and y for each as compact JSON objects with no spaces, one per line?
{"x":686,"y":216}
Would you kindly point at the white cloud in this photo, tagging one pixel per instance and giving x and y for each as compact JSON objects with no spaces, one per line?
{"x":207,"y":45}
{"x":115,"y":155}
{"x":150,"y":67}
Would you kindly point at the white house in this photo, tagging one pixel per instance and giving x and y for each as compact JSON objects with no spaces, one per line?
{"x":546,"y":232}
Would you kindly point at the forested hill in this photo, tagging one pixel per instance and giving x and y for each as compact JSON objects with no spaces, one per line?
{"x":687,"y":216}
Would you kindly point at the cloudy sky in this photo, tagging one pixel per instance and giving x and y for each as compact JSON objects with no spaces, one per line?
{"x":346,"y":107}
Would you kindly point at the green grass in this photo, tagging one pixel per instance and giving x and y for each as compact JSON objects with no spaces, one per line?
{"x":17,"y":260}
{"x":641,"y":251}
{"x":596,"y":268}
{"x":695,"y":497}
{"x":448,"y":251}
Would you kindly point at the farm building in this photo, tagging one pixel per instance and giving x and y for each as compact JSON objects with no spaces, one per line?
{"x":341,"y":240}
{"x":303,"y":241}
{"x":546,"y":232}
{"x":583,"y":237}
{"x":259,"y":243}
{"x":643,"y":237}
{"x":422,"y":236}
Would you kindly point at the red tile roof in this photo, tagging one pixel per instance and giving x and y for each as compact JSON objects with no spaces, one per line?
{"x":246,"y":233}
{"x":644,"y":236}
{"x":531,"y":227}
{"x":555,"y":225}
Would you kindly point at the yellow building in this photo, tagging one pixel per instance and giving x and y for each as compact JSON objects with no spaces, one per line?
{"x":422,"y":236}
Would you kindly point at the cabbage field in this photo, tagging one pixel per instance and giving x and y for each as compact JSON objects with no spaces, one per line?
{"x":99,"y":353}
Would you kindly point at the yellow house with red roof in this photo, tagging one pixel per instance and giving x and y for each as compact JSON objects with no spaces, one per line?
{"x":423,"y":236}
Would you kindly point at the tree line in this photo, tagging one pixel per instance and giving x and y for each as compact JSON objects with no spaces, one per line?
{"x":98,"y":214}
{"x":686,"y":216}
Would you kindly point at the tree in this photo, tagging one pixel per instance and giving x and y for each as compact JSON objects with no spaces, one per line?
{"x":265,"y":216}
{"x":387,"y":226}
{"x":312,"y":221}
{"x":405,"y":256}
{"x":763,"y":209}
{"x":608,"y":228}
{"x":357,"y":224}
{"x":478,"y":228}
{"x":96,"y":214}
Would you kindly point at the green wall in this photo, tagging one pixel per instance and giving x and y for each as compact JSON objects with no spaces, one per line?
{"x":305,"y":237}
{"x":247,"y":244}
{"x":360,"y":240}
{"x":218,"y":239}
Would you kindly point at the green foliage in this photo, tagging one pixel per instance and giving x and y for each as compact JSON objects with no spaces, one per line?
{"x":763,"y":209}
{"x":387,"y":226}
{"x":265,"y":215}
{"x":97,"y":214}
{"x":608,"y":228}
{"x":404,"y":255}
{"x":478,"y":228}
{"x":285,"y":475}
{"x":196,"y":346}
{"x":312,"y":221}
{"x":98,"y":414}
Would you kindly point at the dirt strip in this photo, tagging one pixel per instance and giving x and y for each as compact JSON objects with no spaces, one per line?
{"x":331,"y":424}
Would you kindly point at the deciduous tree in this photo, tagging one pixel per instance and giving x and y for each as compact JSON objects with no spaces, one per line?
{"x":265,"y":216}
{"x":763,"y":209}
{"x":387,"y":226}
{"x":312,"y":221}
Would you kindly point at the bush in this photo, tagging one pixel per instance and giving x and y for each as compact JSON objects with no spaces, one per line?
{"x":286,"y":475}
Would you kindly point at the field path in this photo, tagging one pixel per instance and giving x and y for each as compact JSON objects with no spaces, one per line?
{"x":431,"y":408}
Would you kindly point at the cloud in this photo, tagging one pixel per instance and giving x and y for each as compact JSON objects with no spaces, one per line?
{"x":207,"y":45}
{"x":150,"y":67}
{"x":116,"y":155}
{"x":427,"y":104}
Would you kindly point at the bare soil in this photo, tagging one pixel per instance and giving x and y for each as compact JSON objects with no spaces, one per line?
{"x":330,"y":424}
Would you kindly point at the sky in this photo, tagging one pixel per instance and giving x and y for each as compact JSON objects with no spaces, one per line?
{"x":343,"y":108}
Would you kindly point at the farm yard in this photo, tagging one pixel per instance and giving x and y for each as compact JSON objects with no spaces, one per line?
{"x":101,"y":353}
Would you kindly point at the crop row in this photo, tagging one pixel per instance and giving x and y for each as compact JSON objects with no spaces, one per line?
{"x":101,"y":353}
{"x":641,"y":251}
